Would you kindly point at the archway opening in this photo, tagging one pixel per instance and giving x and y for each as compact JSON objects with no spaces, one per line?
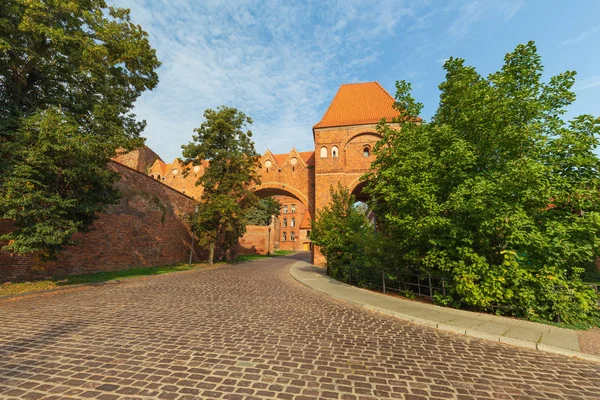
{"x":286,"y":232}
{"x":361,"y":202}
{"x":359,"y":192}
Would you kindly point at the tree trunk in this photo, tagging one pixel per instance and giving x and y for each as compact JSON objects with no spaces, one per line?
{"x":211,"y":253}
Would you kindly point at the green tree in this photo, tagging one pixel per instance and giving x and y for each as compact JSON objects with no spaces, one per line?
{"x":497,"y":190}
{"x":341,"y":230}
{"x":70,"y":71}
{"x":261,"y":213}
{"x":224,"y":142}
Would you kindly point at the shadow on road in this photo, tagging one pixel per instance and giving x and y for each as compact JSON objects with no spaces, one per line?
{"x":300,"y":256}
{"x":50,"y":335}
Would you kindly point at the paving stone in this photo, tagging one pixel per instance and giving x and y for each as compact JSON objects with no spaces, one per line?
{"x":250,"y":331}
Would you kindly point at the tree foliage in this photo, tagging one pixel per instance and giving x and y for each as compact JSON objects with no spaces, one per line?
{"x":497,"y":190}
{"x":261,"y":213}
{"x":341,"y":230}
{"x":224,"y":142}
{"x":70,"y":71}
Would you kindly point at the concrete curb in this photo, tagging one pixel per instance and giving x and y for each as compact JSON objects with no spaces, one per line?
{"x":451,"y":328}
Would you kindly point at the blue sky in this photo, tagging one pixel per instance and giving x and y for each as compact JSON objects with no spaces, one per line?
{"x":281,"y":62}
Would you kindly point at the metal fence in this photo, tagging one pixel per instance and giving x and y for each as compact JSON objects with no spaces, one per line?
{"x":421,"y":285}
{"x":595,"y":287}
{"x":405,"y":283}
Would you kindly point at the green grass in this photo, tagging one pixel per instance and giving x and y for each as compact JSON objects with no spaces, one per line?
{"x":10,"y":289}
{"x":283,"y":252}
{"x":594,"y":322}
{"x":251,"y":257}
{"x":53,"y":283}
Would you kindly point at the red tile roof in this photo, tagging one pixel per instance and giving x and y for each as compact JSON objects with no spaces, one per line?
{"x":162,"y":166}
{"x":308,"y":157}
{"x":280,"y":159}
{"x":305,"y":224}
{"x":357,"y":104}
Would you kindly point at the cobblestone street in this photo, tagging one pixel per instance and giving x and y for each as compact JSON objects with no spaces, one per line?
{"x":251,"y":331}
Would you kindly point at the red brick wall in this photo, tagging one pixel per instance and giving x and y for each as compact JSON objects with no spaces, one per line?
{"x":255,"y":240}
{"x":173,"y":176}
{"x":346,"y":168}
{"x":139,"y":159}
{"x":146,"y":228}
{"x":286,"y":226}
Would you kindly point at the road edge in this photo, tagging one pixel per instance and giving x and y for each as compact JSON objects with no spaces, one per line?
{"x":445,"y":327}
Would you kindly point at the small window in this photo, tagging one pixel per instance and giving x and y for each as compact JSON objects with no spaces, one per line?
{"x":323,"y":152}
{"x":285,"y":222}
{"x":366,"y":151}
{"x":292,"y":236}
{"x":293,"y":222}
{"x":334,"y":151}
{"x":293,"y":208}
{"x":283,"y":236}
{"x":308,"y":234}
{"x":285,"y":209}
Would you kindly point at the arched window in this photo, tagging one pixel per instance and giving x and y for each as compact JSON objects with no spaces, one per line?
{"x":366,"y":151}
{"x":323,"y":152}
{"x":334,"y":151}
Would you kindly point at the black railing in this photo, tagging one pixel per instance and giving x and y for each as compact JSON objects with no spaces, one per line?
{"x":408,"y":284}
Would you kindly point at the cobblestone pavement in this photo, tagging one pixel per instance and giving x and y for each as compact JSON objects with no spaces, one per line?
{"x":251,"y":331}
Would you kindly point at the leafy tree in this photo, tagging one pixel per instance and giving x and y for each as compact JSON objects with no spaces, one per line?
{"x":341,"y":229}
{"x":262,"y":212}
{"x":70,"y":71}
{"x":224,"y":142}
{"x":497,"y":190}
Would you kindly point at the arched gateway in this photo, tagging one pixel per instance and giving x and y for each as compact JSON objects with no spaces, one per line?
{"x":343,"y":151}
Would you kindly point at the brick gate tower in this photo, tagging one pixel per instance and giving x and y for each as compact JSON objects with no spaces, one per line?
{"x":344,"y":140}
{"x":343,"y":151}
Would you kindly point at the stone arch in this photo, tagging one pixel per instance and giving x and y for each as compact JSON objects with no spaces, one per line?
{"x":267,"y":189}
{"x":354,"y":149}
{"x":356,"y":188}
{"x":366,"y":133}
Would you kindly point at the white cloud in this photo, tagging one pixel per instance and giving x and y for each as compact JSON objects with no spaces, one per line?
{"x":280,"y":62}
{"x":474,"y":10}
{"x":583,"y":35}
{"x":588,"y":83}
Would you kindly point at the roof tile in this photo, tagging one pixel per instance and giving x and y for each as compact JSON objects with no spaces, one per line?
{"x":308,"y":157}
{"x":357,"y":104}
{"x":280,"y":159}
{"x":305,"y":224}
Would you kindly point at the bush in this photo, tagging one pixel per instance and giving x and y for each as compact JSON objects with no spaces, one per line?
{"x":497,"y":190}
